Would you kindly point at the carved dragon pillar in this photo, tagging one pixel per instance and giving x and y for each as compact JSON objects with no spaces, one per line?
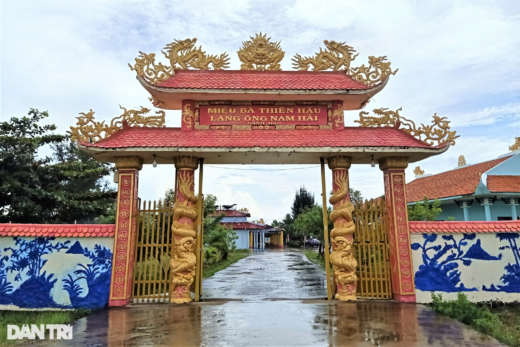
{"x":183,"y":261}
{"x":401,"y":266}
{"x":343,"y":262}
{"x":121,"y":282}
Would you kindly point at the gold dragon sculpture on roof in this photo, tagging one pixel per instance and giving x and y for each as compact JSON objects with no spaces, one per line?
{"x":88,"y":130}
{"x":182,"y":54}
{"x":260,"y":54}
{"x":515,"y":145}
{"x":338,"y":56}
{"x":438,"y":131}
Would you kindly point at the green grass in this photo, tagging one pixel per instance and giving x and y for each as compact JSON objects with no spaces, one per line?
{"x":502,"y":323}
{"x":315,"y":258}
{"x":36,"y":317}
{"x":238,"y":254}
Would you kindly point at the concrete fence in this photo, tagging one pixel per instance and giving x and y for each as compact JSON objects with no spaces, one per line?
{"x":55,"y":266}
{"x":481,"y":259}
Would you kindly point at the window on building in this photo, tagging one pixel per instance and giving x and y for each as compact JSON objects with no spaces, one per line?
{"x":505,"y":218}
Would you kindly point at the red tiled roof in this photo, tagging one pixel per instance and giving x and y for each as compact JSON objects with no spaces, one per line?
{"x":451,"y":183}
{"x":503,"y":184}
{"x":243,"y":79}
{"x":246,"y":225}
{"x":511,"y":226}
{"x":174,"y":137}
{"x":234,"y":213}
{"x":58,"y":230}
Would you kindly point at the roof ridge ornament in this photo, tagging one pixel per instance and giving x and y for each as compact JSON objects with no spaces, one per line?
{"x":462,"y":161}
{"x":260,"y":54}
{"x":338,"y":56}
{"x":88,"y":130}
{"x":417,"y":171}
{"x":438,"y":132}
{"x":182,"y":54}
{"x":515,"y":145}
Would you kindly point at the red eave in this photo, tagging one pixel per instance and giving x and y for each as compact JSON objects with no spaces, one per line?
{"x":262,"y":80}
{"x":465,"y":227}
{"x":233,"y":213}
{"x":456,"y":182}
{"x":245,"y":225}
{"x":503,"y":184}
{"x":175,"y":138}
{"x":58,"y":230}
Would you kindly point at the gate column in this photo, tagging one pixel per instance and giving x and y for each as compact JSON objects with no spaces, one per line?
{"x":342,"y":259}
{"x":183,"y":263}
{"x":124,"y":239}
{"x":403,"y":286}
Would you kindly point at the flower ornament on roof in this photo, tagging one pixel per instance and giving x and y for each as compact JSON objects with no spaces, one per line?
{"x":338,"y":56}
{"x":88,"y":130}
{"x":417,"y":171}
{"x":260,"y":54}
{"x":515,"y":145}
{"x":462,"y":161}
{"x":182,"y":54}
{"x":438,"y":131}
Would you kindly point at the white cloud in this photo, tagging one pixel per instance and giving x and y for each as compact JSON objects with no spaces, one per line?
{"x":487,"y":115}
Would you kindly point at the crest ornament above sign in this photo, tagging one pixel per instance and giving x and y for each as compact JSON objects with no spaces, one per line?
{"x":260,"y":54}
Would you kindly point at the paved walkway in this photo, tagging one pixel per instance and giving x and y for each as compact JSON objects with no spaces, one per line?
{"x":268,"y":274}
{"x":272,"y":323}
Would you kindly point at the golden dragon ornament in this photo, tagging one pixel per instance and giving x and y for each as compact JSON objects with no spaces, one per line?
{"x":260,"y":54}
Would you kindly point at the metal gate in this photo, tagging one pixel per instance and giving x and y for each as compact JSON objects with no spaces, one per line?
{"x":372,"y":250}
{"x":153,"y":245}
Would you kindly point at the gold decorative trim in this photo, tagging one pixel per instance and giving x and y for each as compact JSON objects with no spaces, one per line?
{"x":339,"y":162}
{"x":129,"y":163}
{"x":260,"y":54}
{"x":326,"y":127}
{"x":88,"y":130}
{"x":389,"y":163}
{"x":338,"y":56}
{"x":462,"y":161}
{"x":417,"y":171}
{"x":438,"y":131}
{"x":182,"y":54}
{"x":515,"y":145}
{"x":186,"y":162}
{"x":338,"y":114}
{"x":188,"y":116}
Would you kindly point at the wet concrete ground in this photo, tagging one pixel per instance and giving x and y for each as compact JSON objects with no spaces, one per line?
{"x":261,"y":321}
{"x":272,"y":323}
{"x":268,"y":274}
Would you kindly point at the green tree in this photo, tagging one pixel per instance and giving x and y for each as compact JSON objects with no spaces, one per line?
{"x":219,"y":240}
{"x":355,"y":195}
{"x":424,"y":210}
{"x":63,"y":188}
{"x":310,"y":223}
{"x":302,"y":199}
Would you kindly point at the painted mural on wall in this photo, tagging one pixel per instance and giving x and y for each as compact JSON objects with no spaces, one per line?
{"x":45,"y":272}
{"x":453,"y":263}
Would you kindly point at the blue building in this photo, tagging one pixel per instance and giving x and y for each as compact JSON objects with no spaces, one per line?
{"x":487,"y":191}
{"x":250,"y":234}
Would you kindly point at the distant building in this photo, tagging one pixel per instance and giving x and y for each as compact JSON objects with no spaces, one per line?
{"x":251,"y":235}
{"x":487,"y":191}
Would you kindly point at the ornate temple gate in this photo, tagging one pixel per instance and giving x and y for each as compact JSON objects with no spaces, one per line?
{"x":371,"y":250}
{"x":153,"y":245}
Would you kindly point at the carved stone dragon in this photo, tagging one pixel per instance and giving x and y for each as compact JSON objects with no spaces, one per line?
{"x":335,"y":56}
{"x":185,"y":54}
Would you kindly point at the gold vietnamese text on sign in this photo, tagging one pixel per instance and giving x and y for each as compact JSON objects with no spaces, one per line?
{"x":182,"y":54}
{"x":438,"y":132}
{"x":417,"y":171}
{"x":462,"y":161}
{"x":88,"y":129}
{"x":516,"y":145}
{"x":260,"y":54}
{"x":338,"y":56}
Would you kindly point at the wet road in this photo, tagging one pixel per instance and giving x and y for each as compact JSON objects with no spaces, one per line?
{"x":272,"y":323}
{"x":281,"y":274}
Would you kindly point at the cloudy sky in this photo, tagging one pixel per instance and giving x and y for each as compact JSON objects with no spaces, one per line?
{"x":458,"y":59}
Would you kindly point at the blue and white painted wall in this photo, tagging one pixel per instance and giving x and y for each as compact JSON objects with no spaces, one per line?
{"x":55,"y":272}
{"x":485,"y":266}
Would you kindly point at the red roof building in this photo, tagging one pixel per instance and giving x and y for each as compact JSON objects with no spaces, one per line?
{"x":485,"y":191}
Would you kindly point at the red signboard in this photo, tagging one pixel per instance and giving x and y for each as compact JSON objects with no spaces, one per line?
{"x":262,"y":115}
